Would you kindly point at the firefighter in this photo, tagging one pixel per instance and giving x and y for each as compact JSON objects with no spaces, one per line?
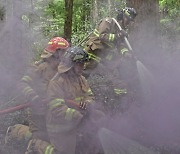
{"x":33,"y":87}
{"x":70,"y":101}
{"x":106,"y":48}
{"x":108,"y":36}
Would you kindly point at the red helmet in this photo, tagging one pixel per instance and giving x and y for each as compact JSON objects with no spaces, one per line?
{"x":53,"y":45}
{"x":57,"y":43}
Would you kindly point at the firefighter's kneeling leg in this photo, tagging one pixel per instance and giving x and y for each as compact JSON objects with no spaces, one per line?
{"x":18,"y":135}
{"x":37,"y":146}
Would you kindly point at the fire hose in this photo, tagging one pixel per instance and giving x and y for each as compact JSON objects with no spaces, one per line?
{"x":15,"y":108}
{"x":125,"y":38}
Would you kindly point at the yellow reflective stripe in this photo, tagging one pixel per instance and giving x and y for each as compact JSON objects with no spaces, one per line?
{"x":50,"y":42}
{"x":26,"y":78}
{"x":35,"y":97}
{"x":111,"y":37}
{"x":53,"y":128}
{"x":69,"y":113}
{"x":126,"y":12}
{"x":27,"y":90}
{"x":28,"y":135}
{"x":90,"y":92}
{"x":54,"y":106}
{"x":57,"y":128}
{"x":49,"y":149}
{"x":57,"y":100}
{"x":94,"y":57}
{"x":120,"y":91}
{"x":96,"y":32}
{"x":54,"y":103}
{"x":78,"y":98}
{"x":61,"y":43}
{"x":124,"y":50}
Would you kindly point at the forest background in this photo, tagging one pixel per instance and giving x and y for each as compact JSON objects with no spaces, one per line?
{"x":27,"y":25}
{"x":75,"y":19}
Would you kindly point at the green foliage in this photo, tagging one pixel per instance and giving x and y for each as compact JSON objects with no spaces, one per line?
{"x":170,"y":22}
{"x":52,"y":19}
{"x":170,"y":10}
{"x":81,"y":20}
{"x":37,"y":48}
{"x":55,"y":14}
{"x":52,"y":15}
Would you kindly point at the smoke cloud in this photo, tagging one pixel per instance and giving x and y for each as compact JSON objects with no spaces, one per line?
{"x":19,"y":32}
{"x":155,"y":122}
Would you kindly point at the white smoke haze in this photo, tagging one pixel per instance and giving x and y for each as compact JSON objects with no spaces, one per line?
{"x":17,"y":37}
{"x":153,"y":123}
{"x":13,"y":46}
{"x":18,"y":33}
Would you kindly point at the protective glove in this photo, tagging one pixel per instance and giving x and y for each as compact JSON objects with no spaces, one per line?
{"x":122,"y":34}
{"x":84,"y":105}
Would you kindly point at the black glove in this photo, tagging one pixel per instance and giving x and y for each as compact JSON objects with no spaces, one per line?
{"x":123,"y":34}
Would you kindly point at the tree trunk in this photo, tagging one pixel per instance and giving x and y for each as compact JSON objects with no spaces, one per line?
{"x":85,"y":13}
{"x":144,"y":35}
{"x":68,"y":19}
{"x":83,"y":17}
{"x":109,"y":7}
{"x":95,"y":12}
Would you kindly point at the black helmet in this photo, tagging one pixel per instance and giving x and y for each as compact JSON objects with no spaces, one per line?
{"x":72,"y":56}
{"x":76,"y":54}
{"x":128,"y":12}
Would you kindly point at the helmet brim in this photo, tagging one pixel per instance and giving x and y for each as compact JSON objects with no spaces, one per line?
{"x":46,"y":54}
{"x":62,"y":68}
